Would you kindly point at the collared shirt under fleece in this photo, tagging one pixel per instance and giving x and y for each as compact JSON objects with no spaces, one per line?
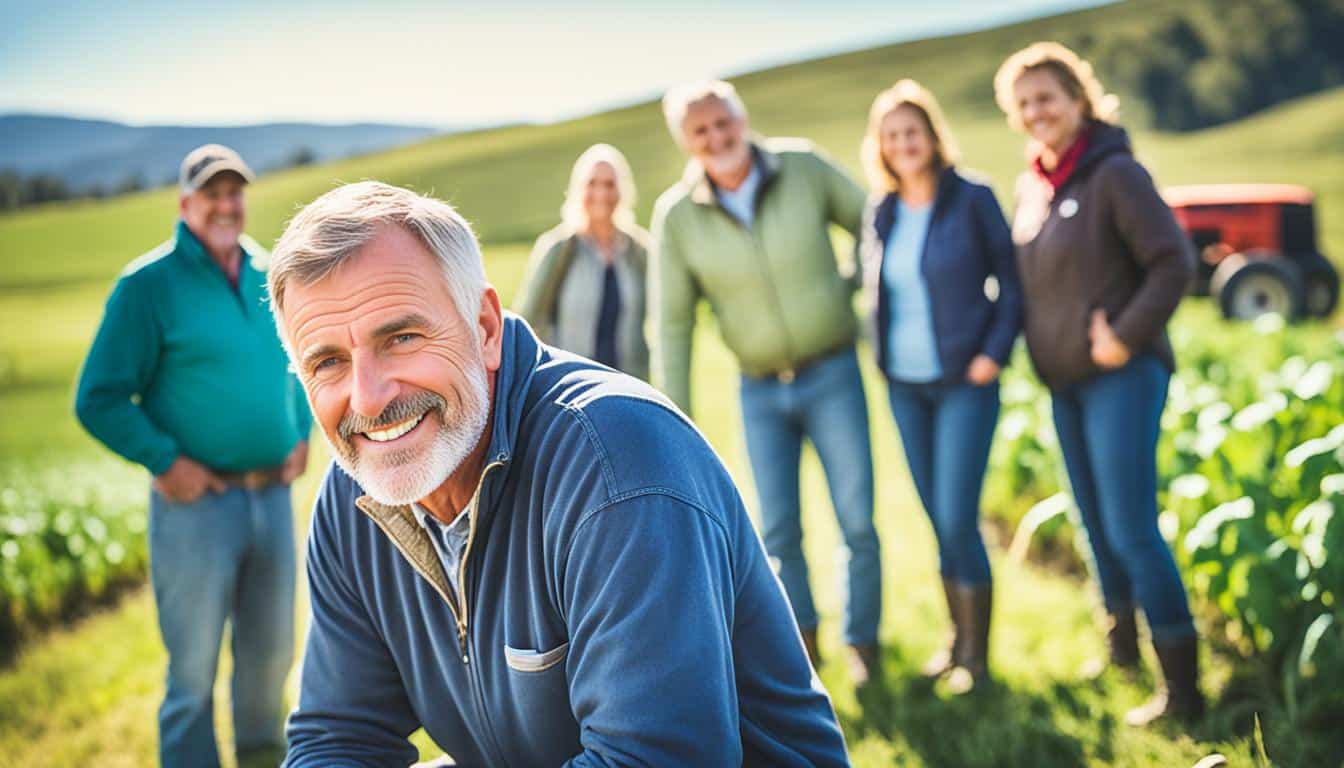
{"x":450,"y":540}
{"x":617,"y":608}
{"x":775,"y":287}
{"x":741,"y":202}
{"x":185,"y":364}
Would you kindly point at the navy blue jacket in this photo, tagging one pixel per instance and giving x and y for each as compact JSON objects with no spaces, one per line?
{"x":617,"y":608}
{"x":968,"y":241}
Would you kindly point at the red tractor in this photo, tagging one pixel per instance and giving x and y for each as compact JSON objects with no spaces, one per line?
{"x":1257,"y":249}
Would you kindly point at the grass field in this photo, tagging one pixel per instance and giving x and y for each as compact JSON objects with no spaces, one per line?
{"x":89,"y":692}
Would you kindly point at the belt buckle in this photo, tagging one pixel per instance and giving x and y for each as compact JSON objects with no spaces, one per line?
{"x":786,"y":376}
{"x":254,"y":480}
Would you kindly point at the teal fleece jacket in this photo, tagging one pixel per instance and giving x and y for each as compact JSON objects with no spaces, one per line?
{"x":184,"y":364}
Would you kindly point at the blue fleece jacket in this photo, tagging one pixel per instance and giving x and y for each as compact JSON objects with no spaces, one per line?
{"x":968,"y":240}
{"x":617,"y":609}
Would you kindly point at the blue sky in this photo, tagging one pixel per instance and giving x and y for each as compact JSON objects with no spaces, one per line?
{"x":441,"y":63}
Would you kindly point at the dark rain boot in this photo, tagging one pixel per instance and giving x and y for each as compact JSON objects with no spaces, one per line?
{"x":865,"y":664}
{"x":975,"y":604}
{"x":945,"y":659}
{"x":810,"y":644}
{"x":1180,"y":699}
{"x":1122,"y":643}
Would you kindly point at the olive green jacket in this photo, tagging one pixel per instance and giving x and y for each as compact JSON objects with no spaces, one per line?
{"x":775,"y":287}
{"x":561,"y":294}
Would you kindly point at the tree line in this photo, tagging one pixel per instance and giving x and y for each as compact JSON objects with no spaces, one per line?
{"x":1214,"y":61}
{"x":18,"y":190}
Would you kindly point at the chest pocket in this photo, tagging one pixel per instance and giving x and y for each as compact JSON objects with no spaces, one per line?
{"x":538,"y":698}
{"x":526,"y":660}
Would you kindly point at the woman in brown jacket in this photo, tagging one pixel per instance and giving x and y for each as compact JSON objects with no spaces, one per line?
{"x":1103,"y":265}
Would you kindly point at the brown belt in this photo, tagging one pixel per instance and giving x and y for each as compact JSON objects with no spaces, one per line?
{"x":254,"y":480}
{"x":787,"y":375}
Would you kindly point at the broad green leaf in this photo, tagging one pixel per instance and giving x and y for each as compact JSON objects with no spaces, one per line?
{"x":1214,"y":414}
{"x":1306,"y":666}
{"x":1259,"y":413}
{"x":1316,"y":447}
{"x":1205,"y":533}
{"x":1192,"y":486}
{"x":1316,"y":381}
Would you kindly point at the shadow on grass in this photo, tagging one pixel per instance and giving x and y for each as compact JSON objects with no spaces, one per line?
{"x":1071,"y":723}
{"x":992,"y":726}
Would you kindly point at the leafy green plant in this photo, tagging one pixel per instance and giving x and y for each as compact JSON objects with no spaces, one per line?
{"x":70,"y":537}
{"x":1251,"y":464}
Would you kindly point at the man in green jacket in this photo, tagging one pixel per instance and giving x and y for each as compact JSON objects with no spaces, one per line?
{"x":747,"y":228}
{"x":187,"y":377}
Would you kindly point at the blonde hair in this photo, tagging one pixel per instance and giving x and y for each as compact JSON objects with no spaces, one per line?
{"x":905,"y":93}
{"x":678,"y":100}
{"x":1073,"y":74}
{"x":331,"y":229}
{"x":572,"y":213}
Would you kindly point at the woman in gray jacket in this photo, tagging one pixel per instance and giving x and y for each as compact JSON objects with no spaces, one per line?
{"x":584,"y":286}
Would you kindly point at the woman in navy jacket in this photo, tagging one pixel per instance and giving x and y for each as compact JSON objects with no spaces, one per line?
{"x":931,"y":242}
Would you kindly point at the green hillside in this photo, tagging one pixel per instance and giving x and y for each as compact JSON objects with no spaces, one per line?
{"x":510,"y":181}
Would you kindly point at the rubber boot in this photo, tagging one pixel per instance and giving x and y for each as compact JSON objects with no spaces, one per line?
{"x":975,"y":605}
{"x":865,"y":664}
{"x":944,"y":660}
{"x":1180,"y":699}
{"x":1122,"y":643}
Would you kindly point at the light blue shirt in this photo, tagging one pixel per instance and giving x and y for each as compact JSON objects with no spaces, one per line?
{"x":912,"y":347}
{"x":449,"y":541}
{"x":741,"y":202}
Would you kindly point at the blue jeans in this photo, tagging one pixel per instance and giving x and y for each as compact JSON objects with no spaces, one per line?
{"x":946,"y":430}
{"x":223,"y":557}
{"x":826,"y":405}
{"x":1108,"y":427}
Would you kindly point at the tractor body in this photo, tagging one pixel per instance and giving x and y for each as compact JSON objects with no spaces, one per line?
{"x":1257,"y":249}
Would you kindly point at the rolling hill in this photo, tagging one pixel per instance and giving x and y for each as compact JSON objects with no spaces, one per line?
{"x":85,"y":153}
{"x":509,"y":181}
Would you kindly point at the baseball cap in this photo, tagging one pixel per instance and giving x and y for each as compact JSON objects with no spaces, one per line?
{"x":202,"y":163}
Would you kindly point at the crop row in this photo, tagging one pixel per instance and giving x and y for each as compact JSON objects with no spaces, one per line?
{"x":70,"y":537}
{"x":1251,"y":488}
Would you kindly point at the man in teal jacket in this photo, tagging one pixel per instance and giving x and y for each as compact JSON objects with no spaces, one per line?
{"x":747,"y":229}
{"x":538,"y":560}
{"x":187,"y":377}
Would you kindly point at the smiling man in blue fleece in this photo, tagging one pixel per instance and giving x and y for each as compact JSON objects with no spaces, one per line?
{"x":534,"y":557}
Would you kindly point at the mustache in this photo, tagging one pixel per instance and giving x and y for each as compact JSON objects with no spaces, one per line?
{"x":397,"y":411}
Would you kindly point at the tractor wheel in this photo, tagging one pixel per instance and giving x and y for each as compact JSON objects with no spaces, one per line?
{"x":1320,"y":283}
{"x":1249,"y":287}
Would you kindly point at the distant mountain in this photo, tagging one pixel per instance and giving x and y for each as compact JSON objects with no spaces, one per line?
{"x":98,"y":152}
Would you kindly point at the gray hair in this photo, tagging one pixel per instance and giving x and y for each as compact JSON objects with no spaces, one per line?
{"x":678,"y":100}
{"x":572,"y":212}
{"x":332,"y":228}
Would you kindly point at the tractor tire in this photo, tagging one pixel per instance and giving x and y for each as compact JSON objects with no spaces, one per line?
{"x":1320,"y":283}
{"x":1249,"y":287}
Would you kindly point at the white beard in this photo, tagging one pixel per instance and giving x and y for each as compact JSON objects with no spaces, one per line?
{"x":407,"y":476}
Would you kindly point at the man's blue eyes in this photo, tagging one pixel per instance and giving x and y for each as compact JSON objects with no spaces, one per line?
{"x":400,"y":338}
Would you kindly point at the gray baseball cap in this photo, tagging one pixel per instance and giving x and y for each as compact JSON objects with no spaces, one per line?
{"x":202,"y":163}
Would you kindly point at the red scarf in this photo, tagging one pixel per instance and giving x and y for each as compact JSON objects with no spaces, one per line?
{"x":1066,"y":163}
